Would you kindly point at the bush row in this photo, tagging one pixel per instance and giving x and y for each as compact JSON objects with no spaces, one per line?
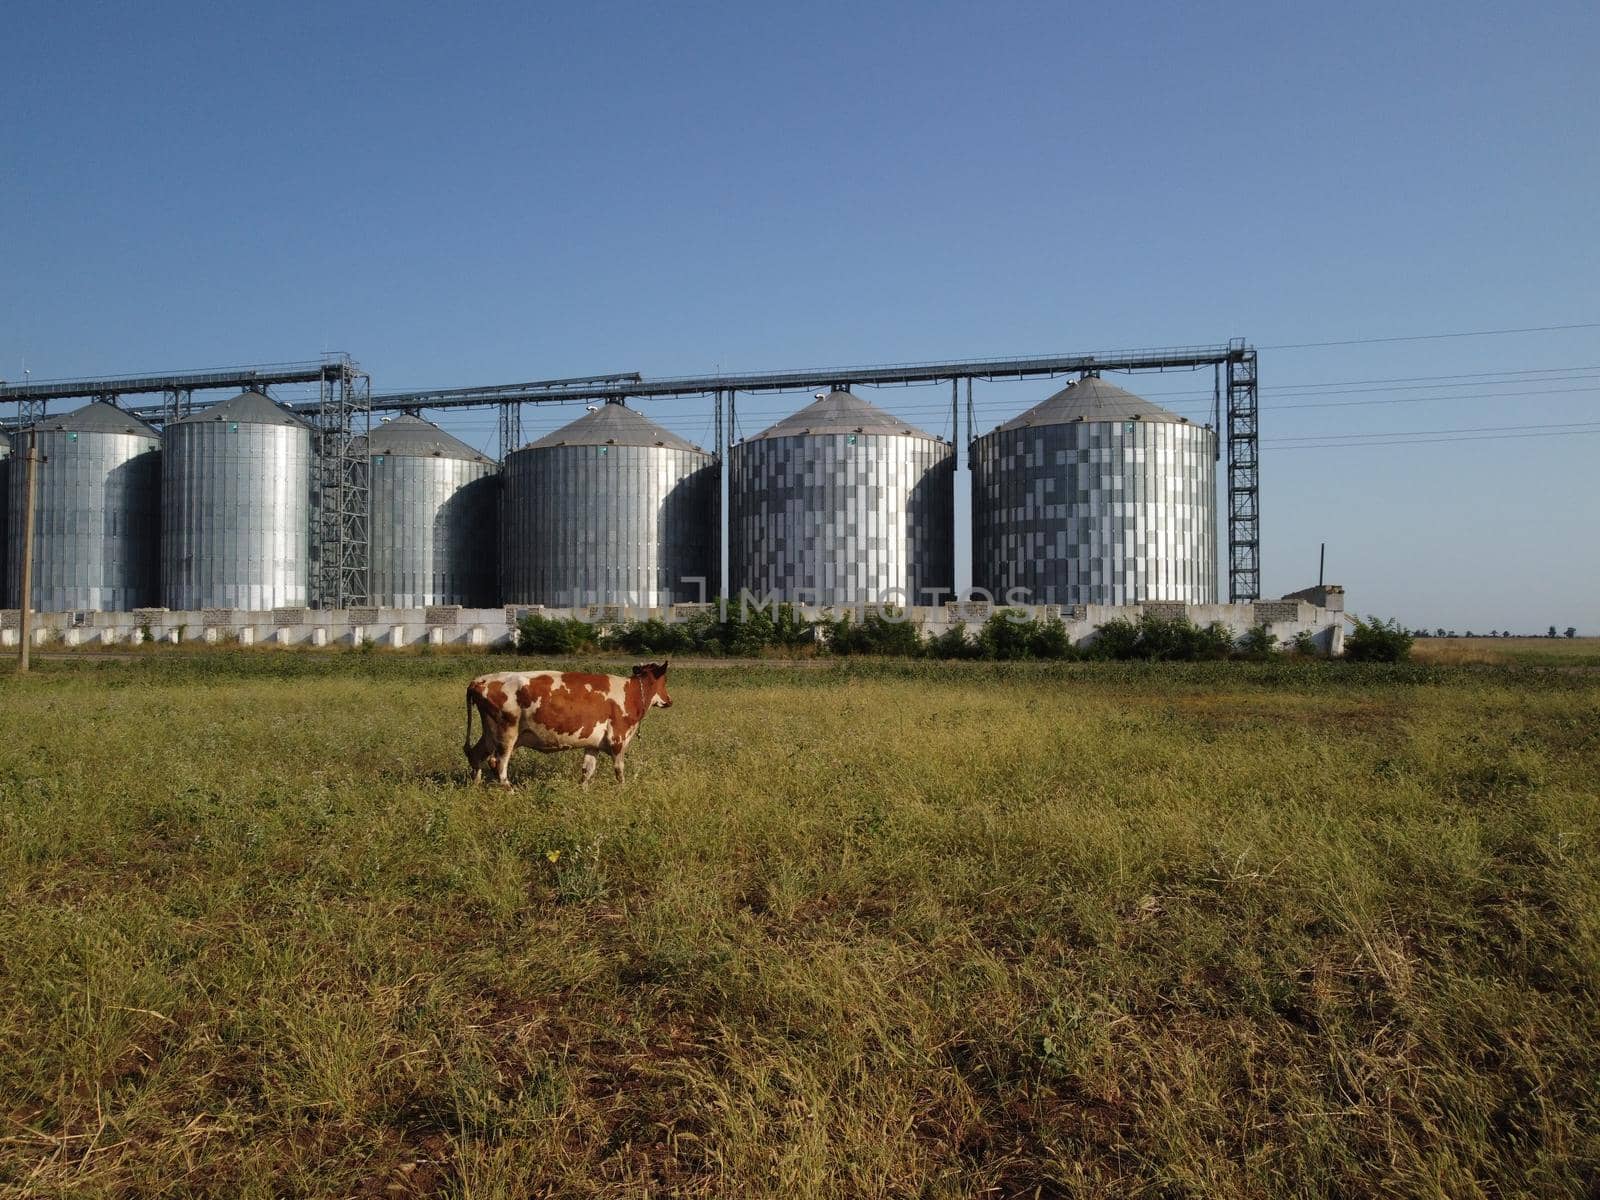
{"x":742,"y":633}
{"x":1008,"y":635}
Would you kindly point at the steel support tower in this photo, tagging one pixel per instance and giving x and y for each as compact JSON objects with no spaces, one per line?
{"x":1244,"y":479}
{"x":510,"y":427}
{"x":176,"y":402}
{"x":341,"y":507}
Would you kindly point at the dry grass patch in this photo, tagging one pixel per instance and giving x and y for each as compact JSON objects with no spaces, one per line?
{"x":1523,"y":651}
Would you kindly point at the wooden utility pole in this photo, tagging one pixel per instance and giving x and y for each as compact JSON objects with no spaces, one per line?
{"x":25,"y":601}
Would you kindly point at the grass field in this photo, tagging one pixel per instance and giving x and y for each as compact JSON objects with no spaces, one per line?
{"x":1519,"y":651}
{"x":858,"y":931}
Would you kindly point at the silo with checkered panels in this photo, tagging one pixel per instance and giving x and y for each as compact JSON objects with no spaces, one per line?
{"x":842,"y":503}
{"x":1096,"y":496}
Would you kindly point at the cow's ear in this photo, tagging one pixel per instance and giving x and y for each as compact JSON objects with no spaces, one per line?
{"x":664,"y":665}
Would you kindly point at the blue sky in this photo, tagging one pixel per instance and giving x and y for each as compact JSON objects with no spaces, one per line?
{"x":488,"y":193}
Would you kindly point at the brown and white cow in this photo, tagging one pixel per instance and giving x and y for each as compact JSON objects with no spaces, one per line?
{"x":560,"y":710}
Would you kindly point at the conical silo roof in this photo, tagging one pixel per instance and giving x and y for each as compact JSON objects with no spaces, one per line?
{"x":1092,"y":399}
{"x":247,"y":408}
{"x":612,"y":425}
{"x":840,"y":412}
{"x":98,"y":417}
{"x":412,"y":437}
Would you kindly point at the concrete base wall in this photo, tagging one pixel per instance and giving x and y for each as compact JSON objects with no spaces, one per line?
{"x":495,"y":627}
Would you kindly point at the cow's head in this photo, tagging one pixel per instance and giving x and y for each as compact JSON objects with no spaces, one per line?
{"x":652,"y":679}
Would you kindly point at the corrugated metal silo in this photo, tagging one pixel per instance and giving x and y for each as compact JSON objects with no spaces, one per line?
{"x":842,"y":503}
{"x":435,"y":503}
{"x":1095,"y":496}
{"x":611,"y":509}
{"x":97,"y":513}
{"x":235,"y":507}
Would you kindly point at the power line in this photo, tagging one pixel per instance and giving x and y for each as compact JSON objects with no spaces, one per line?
{"x":1330,"y":387}
{"x":1407,"y":383}
{"x":1433,"y":337}
{"x":1431,"y":399}
{"x":986,"y":409}
{"x":1492,"y":437}
{"x":1401,"y":433}
{"x":1427,"y":380}
{"x":1305,"y":395}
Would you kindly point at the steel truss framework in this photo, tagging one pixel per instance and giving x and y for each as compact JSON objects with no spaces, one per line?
{"x":339,"y":418}
{"x":1235,"y":359}
{"x":345,"y":404}
{"x":1244,"y":480}
{"x":506,"y":397}
{"x":343,"y":510}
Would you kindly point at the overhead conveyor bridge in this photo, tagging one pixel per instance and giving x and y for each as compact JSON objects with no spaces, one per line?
{"x":342,"y":412}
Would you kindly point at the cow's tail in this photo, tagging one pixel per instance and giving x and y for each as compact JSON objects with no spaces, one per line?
{"x":467,"y":745}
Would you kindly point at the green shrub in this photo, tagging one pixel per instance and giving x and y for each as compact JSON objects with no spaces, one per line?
{"x":887,"y":633}
{"x":1164,"y":638}
{"x":724,"y":628}
{"x":700,"y":632}
{"x":790,"y":628}
{"x":1155,"y":638}
{"x":1305,"y":644}
{"x":553,"y":635}
{"x":1213,"y":643}
{"x":1117,"y":639}
{"x":1258,"y":643}
{"x":648,"y":637}
{"x":746,"y":630}
{"x":1375,"y":640}
{"x":1049,"y":639}
{"x":1007,"y":636}
{"x":952,"y":643}
{"x":1010,"y":636}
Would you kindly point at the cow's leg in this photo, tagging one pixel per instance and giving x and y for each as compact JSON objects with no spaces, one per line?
{"x":502,"y":756}
{"x":483,"y":756}
{"x":481,"y":753}
{"x":616,"y":766}
{"x":486,"y":758}
{"x":589,"y":763}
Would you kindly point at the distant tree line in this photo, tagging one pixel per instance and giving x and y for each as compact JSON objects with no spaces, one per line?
{"x":1571,"y":631}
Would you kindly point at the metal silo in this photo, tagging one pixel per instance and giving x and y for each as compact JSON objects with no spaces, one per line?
{"x":97,"y":513}
{"x":235,"y":507}
{"x":842,"y":503}
{"x":611,"y":509}
{"x":435,"y":504}
{"x":1095,"y":496}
